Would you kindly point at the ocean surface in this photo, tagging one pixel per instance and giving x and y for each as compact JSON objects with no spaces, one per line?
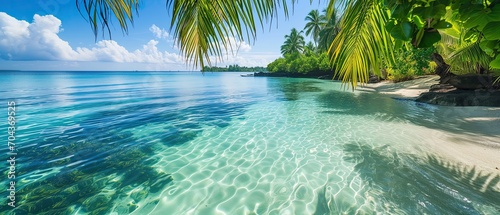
{"x":217,"y":143}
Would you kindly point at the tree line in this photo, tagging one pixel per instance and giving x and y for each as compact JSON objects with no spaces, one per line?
{"x":233,"y":68}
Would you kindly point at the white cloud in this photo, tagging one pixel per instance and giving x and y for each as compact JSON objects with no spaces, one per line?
{"x":21,"y":40}
{"x":235,"y":46}
{"x":239,"y":52}
{"x":159,"y":33}
{"x":39,"y":41}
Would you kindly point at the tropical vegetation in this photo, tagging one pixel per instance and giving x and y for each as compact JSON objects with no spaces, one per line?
{"x":370,"y":30}
{"x":307,"y":60}
{"x":314,"y":25}
{"x":311,"y":64}
{"x":294,"y":43}
{"x":313,"y":60}
{"x":233,"y":68}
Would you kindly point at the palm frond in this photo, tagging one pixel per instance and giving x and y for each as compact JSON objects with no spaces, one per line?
{"x":448,"y":44}
{"x":362,"y":43}
{"x":99,"y":13}
{"x":468,"y":58}
{"x":201,"y":26}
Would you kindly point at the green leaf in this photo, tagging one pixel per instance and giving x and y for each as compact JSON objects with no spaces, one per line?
{"x":467,"y":9}
{"x":429,"y":39}
{"x":489,"y":46}
{"x":418,"y":21}
{"x":442,"y":24}
{"x":492,"y":31}
{"x":470,"y":35}
{"x":400,"y":31}
{"x":436,"y":11}
{"x":480,"y":17}
{"x":398,"y":44}
{"x":401,"y":11}
{"x":495,"y":64}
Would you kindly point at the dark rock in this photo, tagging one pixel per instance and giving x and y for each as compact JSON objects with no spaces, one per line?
{"x":442,"y":69}
{"x":319,"y":75}
{"x":474,"y":81}
{"x":443,"y":88}
{"x":463,"y":82}
{"x":326,"y":77}
{"x":458,"y":97}
{"x":373,"y":79}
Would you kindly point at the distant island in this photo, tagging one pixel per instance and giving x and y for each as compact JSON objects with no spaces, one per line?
{"x":234,"y":68}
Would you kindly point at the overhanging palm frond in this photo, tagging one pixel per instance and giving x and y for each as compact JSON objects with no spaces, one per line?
{"x":469,"y":59}
{"x":201,"y":26}
{"x":99,"y":13}
{"x":362,"y":43}
{"x":448,"y":44}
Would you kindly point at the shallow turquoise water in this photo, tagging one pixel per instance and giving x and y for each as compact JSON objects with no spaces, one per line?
{"x":217,"y":143}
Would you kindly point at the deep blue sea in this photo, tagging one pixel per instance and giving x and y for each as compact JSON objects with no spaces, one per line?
{"x":218,"y":143}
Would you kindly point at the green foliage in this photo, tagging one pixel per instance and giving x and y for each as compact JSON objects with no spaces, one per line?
{"x":362,"y":42}
{"x":410,"y":62}
{"x":496,"y":63}
{"x":315,"y":24}
{"x":469,"y":58}
{"x":294,"y":43}
{"x":308,"y":60}
{"x":492,"y":31}
{"x":100,"y":13}
{"x":418,"y":21}
{"x":400,"y":31}
{"x":310,"y":49}
{"x":314,"y":65}
{"x":359,"y":49}
{"x":328,"y":31}
{"x":233,"y":68}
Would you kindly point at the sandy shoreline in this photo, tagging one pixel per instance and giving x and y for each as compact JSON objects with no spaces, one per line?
{"x":474,"y":150}
{"x":406,"y":89}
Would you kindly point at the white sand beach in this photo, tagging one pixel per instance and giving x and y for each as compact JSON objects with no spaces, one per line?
{"x":405,"y":89}
{"x":478,"y":150}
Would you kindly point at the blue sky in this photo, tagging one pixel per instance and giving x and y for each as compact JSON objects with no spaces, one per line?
{"x":52,"y":35}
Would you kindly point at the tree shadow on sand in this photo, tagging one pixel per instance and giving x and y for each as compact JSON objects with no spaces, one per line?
{"x":406,"y":184}
{"x":450,"y":119}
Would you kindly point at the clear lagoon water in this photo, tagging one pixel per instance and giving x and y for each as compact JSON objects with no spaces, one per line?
{"x":218,"y":143}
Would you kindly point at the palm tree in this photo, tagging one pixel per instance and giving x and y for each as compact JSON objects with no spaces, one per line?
{"x":294,"y":43}
{"x":328,"y":31}
{"x":309,"y":49}
{"x":314,"y":25}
